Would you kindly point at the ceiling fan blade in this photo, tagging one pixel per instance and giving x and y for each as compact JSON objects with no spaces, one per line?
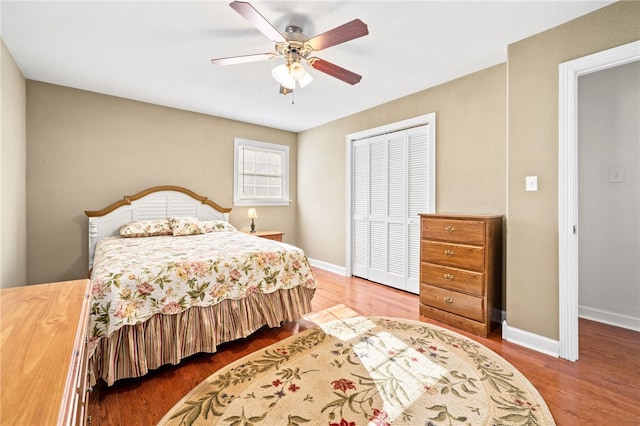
{"x":242,"y":59}
{"x":254,"y":17}
{"x":345,"y":32}
{"x":335,"y":71}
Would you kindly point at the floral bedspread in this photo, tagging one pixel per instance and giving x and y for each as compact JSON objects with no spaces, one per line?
{"x":136,"y":278}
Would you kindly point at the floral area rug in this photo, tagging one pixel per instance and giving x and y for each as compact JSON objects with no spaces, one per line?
{"x":366,"y":371}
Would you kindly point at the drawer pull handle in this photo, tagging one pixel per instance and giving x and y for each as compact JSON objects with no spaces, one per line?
{"x":448,"y":277}
{"x":448,"y":300}
{"x":449,"y":253}
{"x":449,"y":229}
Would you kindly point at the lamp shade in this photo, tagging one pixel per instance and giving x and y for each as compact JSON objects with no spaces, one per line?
{"x":297,"y":71}
{"x":251,"y":213}
{"x":306,"y":79}
{"x":282,"y":76}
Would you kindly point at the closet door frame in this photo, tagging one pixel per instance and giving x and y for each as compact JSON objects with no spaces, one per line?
{"x":427,"y":119}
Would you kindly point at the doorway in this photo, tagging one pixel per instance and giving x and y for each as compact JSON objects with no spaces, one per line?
{"x":568,"y":184}
{"x":609,"y":196}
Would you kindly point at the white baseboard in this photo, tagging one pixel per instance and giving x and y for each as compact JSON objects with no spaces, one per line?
{"x":611,"y":318}
{"x":328,"y":267}
{"x":530,"y":340}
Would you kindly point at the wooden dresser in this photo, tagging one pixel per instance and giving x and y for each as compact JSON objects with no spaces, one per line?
{"x":43,"y":359}
{"x":461,"y":270}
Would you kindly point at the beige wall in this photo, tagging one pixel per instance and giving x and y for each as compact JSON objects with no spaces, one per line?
{"x":532,"y":237}
{"x":477,"y":170}
{"x":471,"y":157}
{"x":86,"y":150}
{"x":13,"y":162}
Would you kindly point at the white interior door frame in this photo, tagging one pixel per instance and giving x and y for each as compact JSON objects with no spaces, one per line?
{"x":388,"y":128}
{"x":568,"y":184}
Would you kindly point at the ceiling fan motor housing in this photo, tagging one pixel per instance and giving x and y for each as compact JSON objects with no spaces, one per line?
{"x":296,"y":46}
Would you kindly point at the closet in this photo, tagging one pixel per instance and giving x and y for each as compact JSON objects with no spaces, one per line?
{"x":391,"y":184}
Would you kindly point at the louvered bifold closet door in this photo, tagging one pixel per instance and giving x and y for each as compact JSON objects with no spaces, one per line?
{"x":360,"y":208}
{"x":390,"y":177}
{"x":377,"y":209}
{"x":396,"y":210}
{"x":420,"y":167}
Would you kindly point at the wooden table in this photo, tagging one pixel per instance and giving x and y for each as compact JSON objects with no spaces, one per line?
{"x":42,"y":360}
{"x":270,"y":235}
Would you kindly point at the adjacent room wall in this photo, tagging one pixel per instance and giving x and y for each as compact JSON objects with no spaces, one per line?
{"x":609,"y":221}
{"x":532,"y":217}
{"x":470,"y":160}
{"x":13,"y":163}
{"x":87,"y":150}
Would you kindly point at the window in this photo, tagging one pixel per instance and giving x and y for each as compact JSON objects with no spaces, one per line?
{"x":261,"y":174}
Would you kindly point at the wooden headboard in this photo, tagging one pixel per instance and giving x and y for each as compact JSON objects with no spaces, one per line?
{"x":153,"y":203}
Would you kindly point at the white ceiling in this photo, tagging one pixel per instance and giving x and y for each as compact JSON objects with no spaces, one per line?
{"x":159,"y":51}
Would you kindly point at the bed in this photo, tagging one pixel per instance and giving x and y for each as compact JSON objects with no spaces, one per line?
{"x":171,"y":278}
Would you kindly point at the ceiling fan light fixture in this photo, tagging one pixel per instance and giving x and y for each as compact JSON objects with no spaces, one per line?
{"x":299,"y":74}
{"x":297,"y":71}
{"x":281,"y":75}
{"x":305,"y":80}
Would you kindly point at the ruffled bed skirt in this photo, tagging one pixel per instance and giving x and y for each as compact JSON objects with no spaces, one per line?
{"x":166,"y":339}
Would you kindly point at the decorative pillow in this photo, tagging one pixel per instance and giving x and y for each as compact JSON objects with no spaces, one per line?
{"x":145,"y":228}
{"x":217,"y":226}
{"x":185,"y":226}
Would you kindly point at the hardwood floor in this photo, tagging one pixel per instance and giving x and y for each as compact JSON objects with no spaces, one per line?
{"x":602,"y":388}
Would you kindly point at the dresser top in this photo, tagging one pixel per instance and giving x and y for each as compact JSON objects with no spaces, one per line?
{"x":38,"y":327}
{"x":460,"y":216}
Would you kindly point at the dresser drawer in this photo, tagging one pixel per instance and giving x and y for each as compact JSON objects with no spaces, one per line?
{"x":458,"y":303}
{"x":458,"y":231}
{"x":452,"y":278}
{"x":454,"y":255}
{"x":477,"y":327}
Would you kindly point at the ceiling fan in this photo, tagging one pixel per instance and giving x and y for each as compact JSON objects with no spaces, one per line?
{"x":295,"y":47}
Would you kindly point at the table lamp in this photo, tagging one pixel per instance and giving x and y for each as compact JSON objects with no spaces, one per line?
{"x":252,"y":214}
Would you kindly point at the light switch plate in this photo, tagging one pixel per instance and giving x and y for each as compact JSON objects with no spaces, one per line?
{"x":616,"y":175}
{"x":531,"y":183}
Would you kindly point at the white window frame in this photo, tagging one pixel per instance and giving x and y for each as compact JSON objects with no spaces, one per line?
{"x":283,"y":150}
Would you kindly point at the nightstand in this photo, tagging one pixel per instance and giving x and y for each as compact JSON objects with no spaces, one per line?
{"x":269,"y":235}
